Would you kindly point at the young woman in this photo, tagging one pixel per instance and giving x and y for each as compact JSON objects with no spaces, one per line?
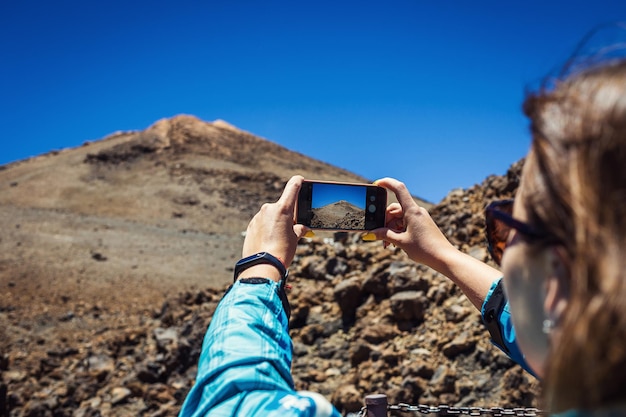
{"x":561,"y":246}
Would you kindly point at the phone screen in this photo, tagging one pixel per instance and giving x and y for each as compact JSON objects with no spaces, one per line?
{"x":341,"y":206}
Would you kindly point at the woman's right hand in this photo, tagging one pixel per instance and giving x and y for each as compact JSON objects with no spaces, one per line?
{"x":410,"y":227}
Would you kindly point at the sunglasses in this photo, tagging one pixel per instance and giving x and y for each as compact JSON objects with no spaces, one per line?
{"x":499,"y":221}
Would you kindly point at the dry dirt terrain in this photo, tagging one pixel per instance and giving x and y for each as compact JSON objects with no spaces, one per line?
{"x":114,"y":255}
{"x":138,"y":215}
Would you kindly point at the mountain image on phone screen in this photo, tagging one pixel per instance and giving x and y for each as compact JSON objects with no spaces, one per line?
{"x":339,"y":215}
{"x":340,"y":206}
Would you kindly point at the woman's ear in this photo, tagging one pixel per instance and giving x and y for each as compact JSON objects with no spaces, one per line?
{"x":557,"y":284}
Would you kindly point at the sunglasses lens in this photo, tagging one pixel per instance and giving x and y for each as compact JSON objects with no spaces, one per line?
{"x":497,"y":230}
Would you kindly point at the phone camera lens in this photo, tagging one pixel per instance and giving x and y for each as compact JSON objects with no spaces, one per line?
{"x":372,"y":198}
{"x":372,"y":208}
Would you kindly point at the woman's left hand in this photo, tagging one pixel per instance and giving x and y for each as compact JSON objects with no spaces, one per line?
{"x":273,"y":230}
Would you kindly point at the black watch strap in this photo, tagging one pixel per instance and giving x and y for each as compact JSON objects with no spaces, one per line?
{"x":266,"y":258}
{"x":260,"y":258}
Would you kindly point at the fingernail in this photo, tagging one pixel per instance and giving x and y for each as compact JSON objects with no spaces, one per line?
{"x":369,"y":237}
{"x":376,"y":182}
{"x":309,"y":234}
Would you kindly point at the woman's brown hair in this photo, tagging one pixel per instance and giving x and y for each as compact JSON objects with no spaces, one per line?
{"x":576,"y":191}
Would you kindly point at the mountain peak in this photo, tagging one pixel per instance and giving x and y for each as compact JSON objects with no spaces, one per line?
{"x":175,"y":130}
{"x":225,"y":125}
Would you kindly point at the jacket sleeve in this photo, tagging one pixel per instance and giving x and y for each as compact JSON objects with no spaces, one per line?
{"x":497,"y":318}
{"x":245,"y":364}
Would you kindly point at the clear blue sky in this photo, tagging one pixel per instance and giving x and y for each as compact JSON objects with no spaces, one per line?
{"x":325,"y":194}
{"x":428,"y":92}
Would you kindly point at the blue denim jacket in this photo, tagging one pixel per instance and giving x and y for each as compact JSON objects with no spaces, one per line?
{"x":245,"y":364}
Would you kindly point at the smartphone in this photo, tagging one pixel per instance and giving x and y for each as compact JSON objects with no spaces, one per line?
{"x":341,"y":206}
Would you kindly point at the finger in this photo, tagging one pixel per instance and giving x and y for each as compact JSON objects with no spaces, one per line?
{"x":397,"y":225}
{"x":394,"y":217}
{"x":300,"y":230}
{"x":394,"y":210}
{"x":399,"y":189}
{"x":290,"y":194}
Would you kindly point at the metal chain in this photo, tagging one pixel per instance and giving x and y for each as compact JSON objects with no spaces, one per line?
{"x":468,"y":411}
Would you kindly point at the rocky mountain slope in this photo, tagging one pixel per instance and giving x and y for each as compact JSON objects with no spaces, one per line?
{"x":114,"y":256}
{"x":107,"y":214}
{"x":339,"y":215}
